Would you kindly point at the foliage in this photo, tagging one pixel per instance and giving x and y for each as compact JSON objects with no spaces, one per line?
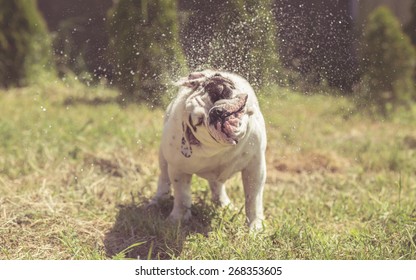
{"x":79,"y":36}
{"x":25,"y":52}
{"x":236,"y":35}
{"x":411,"y":26}
{"x":145,"y":45}
{"x":388,"y":62}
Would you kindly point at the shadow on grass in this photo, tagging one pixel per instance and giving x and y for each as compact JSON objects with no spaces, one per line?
{"x":155,"y":237}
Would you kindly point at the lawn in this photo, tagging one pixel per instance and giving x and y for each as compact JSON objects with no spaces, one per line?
{"x":77,"y":169}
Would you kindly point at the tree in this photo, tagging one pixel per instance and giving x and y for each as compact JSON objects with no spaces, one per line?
{"x":80,"y":36}
{"x":144,"y":41}
{"x":410,"y":29}
{"x":411,"y":26}
{"x":25,"y":50}
{"x":234,"y":35}
{"x":388,"y":62}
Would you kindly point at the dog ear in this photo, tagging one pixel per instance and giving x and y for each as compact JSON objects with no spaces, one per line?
{"x":194,"y":80}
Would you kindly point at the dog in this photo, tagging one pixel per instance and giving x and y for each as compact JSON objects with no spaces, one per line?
{"x":213,"y":128}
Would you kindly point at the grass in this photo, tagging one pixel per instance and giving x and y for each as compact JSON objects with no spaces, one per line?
{"x":76,"y":171}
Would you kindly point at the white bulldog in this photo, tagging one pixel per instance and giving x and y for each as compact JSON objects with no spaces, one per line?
{"x":214,"y":129}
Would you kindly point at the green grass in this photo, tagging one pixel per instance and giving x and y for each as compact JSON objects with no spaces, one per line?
{"x":76,"y":171}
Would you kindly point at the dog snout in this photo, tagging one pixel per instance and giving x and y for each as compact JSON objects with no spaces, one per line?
{"x":216,"y":114}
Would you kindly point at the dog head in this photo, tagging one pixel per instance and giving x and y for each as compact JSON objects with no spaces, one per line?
{"x":215,"y":110}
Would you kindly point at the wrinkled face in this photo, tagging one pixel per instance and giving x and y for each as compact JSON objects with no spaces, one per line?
{"x":216,"y":111}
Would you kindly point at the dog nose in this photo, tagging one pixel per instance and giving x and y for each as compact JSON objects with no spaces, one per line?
{"x":216,"y":114}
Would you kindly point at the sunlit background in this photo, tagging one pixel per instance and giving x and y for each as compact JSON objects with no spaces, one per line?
{"x":140,"y":46}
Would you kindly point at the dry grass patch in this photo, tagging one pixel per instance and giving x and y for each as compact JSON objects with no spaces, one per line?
{"x":309,"y":162}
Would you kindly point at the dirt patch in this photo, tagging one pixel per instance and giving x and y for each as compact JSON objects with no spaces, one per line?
{"x":116,"y":166}
{"x":410,"y":141}
{"x":309,"y":162}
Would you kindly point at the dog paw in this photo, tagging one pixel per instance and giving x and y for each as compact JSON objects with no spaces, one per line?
{"x":228,"y":205}
{"x":176,"y":217}
{"x":225,"y":203}
{"x":221,"y":199}
{"x":256,"y":225}
{"x":159,"y":199}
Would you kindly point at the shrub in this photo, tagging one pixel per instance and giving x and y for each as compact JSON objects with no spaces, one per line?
{"x":144,"y":42}
{"x":25,"y":50}
{"x":411,"y":30}
{"x":411,"y":26}
{"x":80,"y":37}
{"x":388,"y":62}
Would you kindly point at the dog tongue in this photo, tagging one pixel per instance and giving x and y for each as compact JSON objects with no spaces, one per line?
{"x":231,"y":106}
{"x":226,"y":115}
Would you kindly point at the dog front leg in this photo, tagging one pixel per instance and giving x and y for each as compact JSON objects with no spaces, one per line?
{"x":182,"y":195}
{"x":254,"y":177}
{"x":163,"y":184}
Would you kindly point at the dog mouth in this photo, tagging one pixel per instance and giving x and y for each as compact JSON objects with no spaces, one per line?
{"x":225,"y":119}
